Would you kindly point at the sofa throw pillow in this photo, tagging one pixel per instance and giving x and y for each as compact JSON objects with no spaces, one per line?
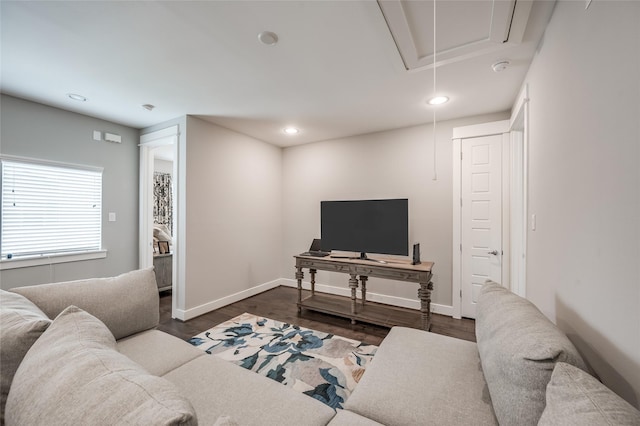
{"x":518,"y":349}
{"x":577,"y":398}
{"x":21,"y":324}
{"x":126,"y":304}
{"x":73,"y":375}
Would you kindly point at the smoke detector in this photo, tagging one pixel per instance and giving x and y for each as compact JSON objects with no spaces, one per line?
{"x":500,"y":66}
{"x":76,"y":97}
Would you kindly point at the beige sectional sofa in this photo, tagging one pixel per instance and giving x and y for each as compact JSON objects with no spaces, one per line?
{"x":87,"y":352}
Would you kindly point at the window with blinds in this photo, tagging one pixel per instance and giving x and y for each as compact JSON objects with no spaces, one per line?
{"x":49,"y":209}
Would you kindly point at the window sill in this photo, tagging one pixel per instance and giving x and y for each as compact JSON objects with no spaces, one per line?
{"x":51,"y":259}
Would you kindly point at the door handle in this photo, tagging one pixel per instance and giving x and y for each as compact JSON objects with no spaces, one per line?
{"x":493,"y":252}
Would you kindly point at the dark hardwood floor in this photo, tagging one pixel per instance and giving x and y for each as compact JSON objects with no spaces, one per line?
{"x":280,"y":304}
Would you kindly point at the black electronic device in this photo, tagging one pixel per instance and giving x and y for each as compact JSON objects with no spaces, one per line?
{"x":366,"y":226}
{"x":416,"y":254}
{"x":316,"y":249}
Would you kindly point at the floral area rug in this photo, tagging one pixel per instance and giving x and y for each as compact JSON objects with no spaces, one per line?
{"x":324,"y":366}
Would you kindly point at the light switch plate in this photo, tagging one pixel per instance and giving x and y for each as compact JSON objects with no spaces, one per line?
{"x":112,"y":217}
{"x":97,"y":135}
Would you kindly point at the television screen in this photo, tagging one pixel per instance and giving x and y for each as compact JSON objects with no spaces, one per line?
{"x":366,"y":226}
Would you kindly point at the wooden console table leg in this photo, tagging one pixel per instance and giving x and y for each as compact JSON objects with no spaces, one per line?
{"x":353,"y":284}
{"x":313,"y":281}
{"x":363,"y":288}
{"x":424,"y":294}
{"x":299,"y":276}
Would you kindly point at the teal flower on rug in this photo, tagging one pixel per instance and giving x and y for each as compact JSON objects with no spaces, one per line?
{"x":322,"y":365}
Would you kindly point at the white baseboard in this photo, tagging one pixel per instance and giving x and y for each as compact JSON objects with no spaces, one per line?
{"x":374,"y":297}
{"x":185,"y":315}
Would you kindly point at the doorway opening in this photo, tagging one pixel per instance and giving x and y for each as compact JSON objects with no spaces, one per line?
{"x":158,"y":207}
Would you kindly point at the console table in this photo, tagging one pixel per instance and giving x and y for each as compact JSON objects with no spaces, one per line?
{"x":359,"y":271}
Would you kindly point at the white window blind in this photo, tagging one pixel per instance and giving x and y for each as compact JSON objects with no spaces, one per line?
{"x":49,"y":209}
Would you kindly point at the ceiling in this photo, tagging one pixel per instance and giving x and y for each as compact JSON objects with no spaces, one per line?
{"x":340,"y":68}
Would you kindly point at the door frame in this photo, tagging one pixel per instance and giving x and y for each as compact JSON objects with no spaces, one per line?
{"x":519,"y":128}
{"x":148,"y":142}
{"x":466,"y":132}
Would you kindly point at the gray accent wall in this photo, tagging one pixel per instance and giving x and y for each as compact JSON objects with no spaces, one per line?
{"x":37,"y":131}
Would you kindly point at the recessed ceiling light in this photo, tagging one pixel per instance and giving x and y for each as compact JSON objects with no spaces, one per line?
{"x":267,"y":37}
{"x":438,"y":100}
{"x":291,"y":130}
{"x":76,"y":97}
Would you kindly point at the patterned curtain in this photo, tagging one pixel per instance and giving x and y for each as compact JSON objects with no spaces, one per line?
{"x":162,"y":200}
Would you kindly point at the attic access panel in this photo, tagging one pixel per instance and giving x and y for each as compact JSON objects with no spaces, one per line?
{"x":464,"y":29}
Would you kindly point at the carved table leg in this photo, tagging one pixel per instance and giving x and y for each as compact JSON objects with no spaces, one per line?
{"x":313,"y":281}
{"x":299,"y":276}
{"x":363,"y":288}
{"x":424,"y":294}
{"x":353,"y":284}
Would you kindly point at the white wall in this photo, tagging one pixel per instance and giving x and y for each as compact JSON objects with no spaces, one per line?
{"x":584,"y":257}
{"x":392,"y":164}
{"x":37,"y":131}
{"x":233,"y":215}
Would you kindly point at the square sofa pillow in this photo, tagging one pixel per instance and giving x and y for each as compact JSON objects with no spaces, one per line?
{"x":73,"y":375}
{"x":21,"y":324}
{"x":577,"y":398}
{"x":518,"y":348}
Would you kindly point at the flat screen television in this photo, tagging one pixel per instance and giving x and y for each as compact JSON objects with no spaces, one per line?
{"x":366,"y":226}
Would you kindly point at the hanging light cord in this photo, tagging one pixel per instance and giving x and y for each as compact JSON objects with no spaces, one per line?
{"x":435,"y":173}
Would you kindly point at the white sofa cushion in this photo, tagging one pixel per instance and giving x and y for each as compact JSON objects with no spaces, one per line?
{"x":575,"y":398}
{"x":518,"y":347}
{"x":422,"y":378}
{"x":73,"y":375}
{"x":219,"y":388}
{"x":21,"y":324}
{"x":158,"y":352}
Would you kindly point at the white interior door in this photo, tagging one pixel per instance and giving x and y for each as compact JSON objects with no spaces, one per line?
{"x":481,"y":216}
